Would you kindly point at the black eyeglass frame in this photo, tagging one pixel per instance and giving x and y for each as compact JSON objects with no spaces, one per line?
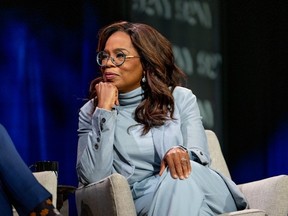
{"x":108,"y":57}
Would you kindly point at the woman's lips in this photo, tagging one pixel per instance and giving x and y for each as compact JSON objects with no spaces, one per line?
{"x":110,"y":76}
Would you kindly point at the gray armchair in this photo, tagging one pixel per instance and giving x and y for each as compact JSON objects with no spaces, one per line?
{"x":112,"y":197}
{"x":49,"y":180}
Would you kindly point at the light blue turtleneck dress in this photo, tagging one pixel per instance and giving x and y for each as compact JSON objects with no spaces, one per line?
{"x":121,"y":148}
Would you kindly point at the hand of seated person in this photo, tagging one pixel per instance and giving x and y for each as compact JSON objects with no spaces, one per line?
{"x":178,"y":161}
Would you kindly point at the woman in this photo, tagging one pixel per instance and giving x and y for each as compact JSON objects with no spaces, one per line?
{"x":18,"y":186}
{"x":142,"y":124}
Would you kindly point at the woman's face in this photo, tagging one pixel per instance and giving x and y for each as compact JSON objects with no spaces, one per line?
{"x":127,"y":76}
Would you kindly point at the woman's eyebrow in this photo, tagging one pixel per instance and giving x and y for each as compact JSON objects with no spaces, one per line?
{"x":118,"y":49}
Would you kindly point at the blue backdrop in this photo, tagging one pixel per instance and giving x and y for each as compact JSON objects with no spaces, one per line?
{"x":47,"y":59}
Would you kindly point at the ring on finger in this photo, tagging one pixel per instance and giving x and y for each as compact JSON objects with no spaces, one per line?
{"x":183,"y":159}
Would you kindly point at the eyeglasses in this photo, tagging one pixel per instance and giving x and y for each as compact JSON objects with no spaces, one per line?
{"x":102,"y":58}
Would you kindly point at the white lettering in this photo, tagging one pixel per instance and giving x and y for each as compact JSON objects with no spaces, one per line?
{"x":208,"y":64}
{"x":192,"y":12}
{"x":183,"y":59}
{"x":161,"y":8}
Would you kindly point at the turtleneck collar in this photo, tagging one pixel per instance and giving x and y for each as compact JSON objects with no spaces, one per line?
{"x":133,"y":97}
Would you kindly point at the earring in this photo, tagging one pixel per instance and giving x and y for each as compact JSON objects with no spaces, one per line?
{"x":143,"y":79}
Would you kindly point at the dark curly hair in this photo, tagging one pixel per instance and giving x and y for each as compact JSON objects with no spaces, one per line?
{"x":161,"y":73}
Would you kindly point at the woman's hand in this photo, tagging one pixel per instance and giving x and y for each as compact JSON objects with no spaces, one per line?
{"x":107,"y":95}
{"x":178,"y":162}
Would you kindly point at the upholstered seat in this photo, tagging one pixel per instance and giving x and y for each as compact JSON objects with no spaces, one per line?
{"x":112,"y":197}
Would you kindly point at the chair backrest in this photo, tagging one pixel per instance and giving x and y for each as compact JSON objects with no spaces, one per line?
{"x":49,"y":181}
{"x":218,"y":162}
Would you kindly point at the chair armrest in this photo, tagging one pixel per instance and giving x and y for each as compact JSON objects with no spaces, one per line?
{"x":246,"y":212}
{"x":270,"y":194}
{"x":110,"y":196}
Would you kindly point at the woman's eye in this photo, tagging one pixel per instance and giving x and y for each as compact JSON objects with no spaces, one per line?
{"x":105,"y":57}
{"x":120,"y":55}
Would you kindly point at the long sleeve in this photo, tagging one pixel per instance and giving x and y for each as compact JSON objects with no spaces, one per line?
{"x":194,"y":137}
{"x":95,"y":143}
